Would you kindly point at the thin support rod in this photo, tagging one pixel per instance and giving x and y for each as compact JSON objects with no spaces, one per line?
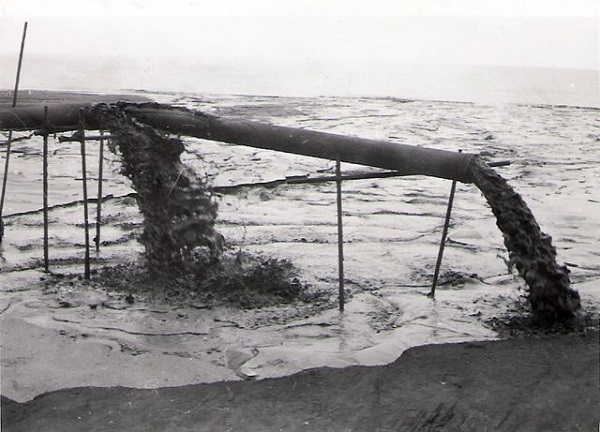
{"x":338,"y":174}
{"x":45,"y":188}
{"x":6,"y":166}
{"x":9,"y":141}
{"x":75,"y":138}
{"x":305,"y":179}
{"x":99,"y":201}
{"x":14,"y":103}
{"x":85,"y":195}
{"x":438,"y":263}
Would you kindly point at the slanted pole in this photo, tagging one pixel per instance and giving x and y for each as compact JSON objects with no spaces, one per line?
{"x":16,"y":91}
{"x":9,"y":141}
{"x":438,"y":263}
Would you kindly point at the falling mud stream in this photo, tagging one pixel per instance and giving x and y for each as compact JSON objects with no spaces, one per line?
{"x":530,"y":250}
{"x":178,"y":209}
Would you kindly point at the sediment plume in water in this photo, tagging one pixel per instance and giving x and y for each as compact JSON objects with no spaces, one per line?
{"x":530,"y":250}
{"x":178,"y":209}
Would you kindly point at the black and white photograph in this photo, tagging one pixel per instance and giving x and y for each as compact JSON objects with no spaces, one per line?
{"x":300,"y":215}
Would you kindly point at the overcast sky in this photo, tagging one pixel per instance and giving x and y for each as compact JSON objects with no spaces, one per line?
{"x":324,"y":46}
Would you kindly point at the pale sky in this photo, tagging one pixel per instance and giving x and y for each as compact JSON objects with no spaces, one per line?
{"x":323,"y":40}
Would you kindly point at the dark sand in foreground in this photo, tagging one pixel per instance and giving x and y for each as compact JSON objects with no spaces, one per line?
{"x":541,"y":384}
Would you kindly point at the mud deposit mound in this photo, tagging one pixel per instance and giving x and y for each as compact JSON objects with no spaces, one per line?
{"x":542,"y":384}
{"x":239,"y":279}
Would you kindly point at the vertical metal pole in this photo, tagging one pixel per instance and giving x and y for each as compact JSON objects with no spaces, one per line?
{"x":443,"y":241}
{"x":45,"y":187}
{"x":8,"y":143}
{"x":85,"y":195}
{"x":99,"y":202}
{"x":338,"y":175}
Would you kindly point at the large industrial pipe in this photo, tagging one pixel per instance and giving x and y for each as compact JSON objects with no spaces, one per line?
{"x":409,"y":160}
{"x":530,"y":249}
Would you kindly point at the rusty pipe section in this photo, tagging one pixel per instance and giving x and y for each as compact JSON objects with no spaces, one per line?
{"x":409,"y":160}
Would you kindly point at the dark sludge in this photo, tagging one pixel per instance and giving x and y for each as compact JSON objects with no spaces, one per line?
{"x":530,"y":250}
{"x":178,"y":208}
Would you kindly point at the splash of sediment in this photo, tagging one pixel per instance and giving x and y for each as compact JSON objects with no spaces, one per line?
{"x":530,"y":250}
{"x":177,"y":206}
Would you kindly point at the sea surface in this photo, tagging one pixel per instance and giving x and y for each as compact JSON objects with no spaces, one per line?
{"x":392,"y":231}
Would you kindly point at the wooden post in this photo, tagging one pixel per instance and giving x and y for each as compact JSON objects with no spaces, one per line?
{"x":341,"y":296}
{"x":85,"y":194}
{"x":99,"y":201}
{"x":45,"y":188}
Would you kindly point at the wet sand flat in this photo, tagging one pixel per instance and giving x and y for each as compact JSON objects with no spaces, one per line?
{"x":542,"y":384}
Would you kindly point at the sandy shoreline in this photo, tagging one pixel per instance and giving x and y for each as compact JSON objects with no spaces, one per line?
{"x":97,"y":338}
{"x":542,"y":384}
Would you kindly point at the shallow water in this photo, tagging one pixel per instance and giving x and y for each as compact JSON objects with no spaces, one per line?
{"x":392,"y":229}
